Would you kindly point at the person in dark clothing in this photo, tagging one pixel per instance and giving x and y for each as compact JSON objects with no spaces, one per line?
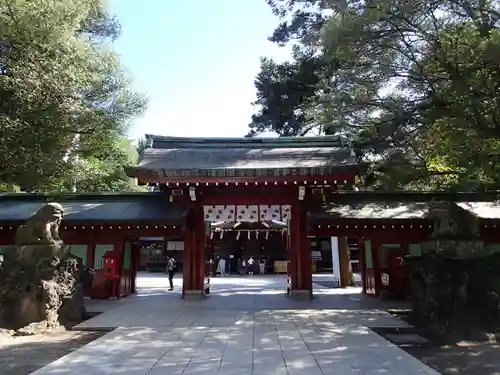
{"x":171,"y":271}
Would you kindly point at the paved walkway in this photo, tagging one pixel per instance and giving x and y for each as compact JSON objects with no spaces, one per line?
{"x":247,"y":326}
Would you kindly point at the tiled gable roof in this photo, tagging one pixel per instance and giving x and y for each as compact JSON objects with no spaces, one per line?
{"x":212,"y":157}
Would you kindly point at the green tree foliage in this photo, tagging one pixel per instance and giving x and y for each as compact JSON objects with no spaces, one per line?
{"x":65,"y":101}
{"x":286,"y":93}
{"x":99,"y":173}
{"x":414,"y":83}
{"x":142,"y":144}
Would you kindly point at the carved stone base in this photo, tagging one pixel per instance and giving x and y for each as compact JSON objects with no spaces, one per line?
{"x":301,"y":294}
{"x":194,"y":295}
{"x":24,"y":311}
{"x":41,"y":284}
{"x":48,"y":292}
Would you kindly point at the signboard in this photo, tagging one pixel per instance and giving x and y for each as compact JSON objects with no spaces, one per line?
{"x":175,"y":245}
{"x":316,"y":255}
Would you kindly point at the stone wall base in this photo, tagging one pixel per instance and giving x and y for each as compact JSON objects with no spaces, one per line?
{"x":301,"y":294}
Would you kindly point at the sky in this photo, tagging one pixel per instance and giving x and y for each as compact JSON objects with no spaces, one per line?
{"x":196,"y":61}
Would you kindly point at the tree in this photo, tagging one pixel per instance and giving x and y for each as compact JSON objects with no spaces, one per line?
{"x":142,"y":144}
{"x":63,"y":93}
{"x":100,"y":173}
{"x":414,"y":84}
{"x":285,"y":95}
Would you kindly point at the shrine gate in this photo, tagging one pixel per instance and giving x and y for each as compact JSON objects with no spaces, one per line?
{"x":247,"y":180}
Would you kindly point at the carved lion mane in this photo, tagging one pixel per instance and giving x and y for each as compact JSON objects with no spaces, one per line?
{"x":451,"y":221}
{"x":43,"y":227}
{"x":444,"y":223}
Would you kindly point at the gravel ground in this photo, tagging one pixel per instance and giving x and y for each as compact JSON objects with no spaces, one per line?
{"x":470,"y":352}
{"x":466,"y":357}
{"x":23,"y":355}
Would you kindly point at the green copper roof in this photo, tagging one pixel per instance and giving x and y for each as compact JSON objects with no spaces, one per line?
{"x":379,"y":210}
{"x":148,"y":207}
{"x":241,"y":157}
{"x":374,"y":210}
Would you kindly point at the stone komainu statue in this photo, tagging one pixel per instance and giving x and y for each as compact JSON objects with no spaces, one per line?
{"x":452,"y":221}
{"x":41,"y":284}
{"x":42,"y":228}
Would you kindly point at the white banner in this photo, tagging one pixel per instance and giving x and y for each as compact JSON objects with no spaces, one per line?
{"x":219,"y":213}
{"x":249,"y":214}
{"x":270,"y":212}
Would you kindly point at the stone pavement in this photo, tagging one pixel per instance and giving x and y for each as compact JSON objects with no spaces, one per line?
{"x":246,"y":326}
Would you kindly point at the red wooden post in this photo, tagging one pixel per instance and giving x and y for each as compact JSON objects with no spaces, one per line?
{"x":300,"y":252}
{"x":293,"y":253}
{"x":90,"y":259}
{"x":118,"y":246}
{"x":188,"y":255}
{"x":194,"y":253}
{"x":305,"y":254}
{"x":90,"y":248}
{"x":362,"y":261}
{"x":199,"y":259}
{"x":136,"y":255}
{"x":375,"y":244}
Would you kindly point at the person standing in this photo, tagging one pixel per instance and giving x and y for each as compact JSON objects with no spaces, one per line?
{"x":250,"y":263}
{"x":171,"y":271}
{"x":222,"y":266}
{"x":262,"y":266}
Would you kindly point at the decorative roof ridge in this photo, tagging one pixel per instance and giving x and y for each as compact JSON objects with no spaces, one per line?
{"x":158,"y":141}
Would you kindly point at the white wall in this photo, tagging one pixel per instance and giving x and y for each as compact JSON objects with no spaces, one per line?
{"x":335,"y":261}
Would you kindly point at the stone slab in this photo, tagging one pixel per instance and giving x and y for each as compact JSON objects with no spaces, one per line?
{"x":158,"y":333}
{"x":405,"y":339}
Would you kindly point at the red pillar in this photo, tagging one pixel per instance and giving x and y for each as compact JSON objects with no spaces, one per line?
{"x":376,"y":243}
{"x":293,"y":259}
{"x":119,"y":247}
{"x":136,"y":255}
{"x":301,"y":262}
{"x":90,"y":259}
{"x":188,"y":255}
{"x":362,"y":261}
{"x":194,"y":253}
{"x":90,"y":249}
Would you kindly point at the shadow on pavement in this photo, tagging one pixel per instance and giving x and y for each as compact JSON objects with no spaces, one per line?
{"x":23,"y":355}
